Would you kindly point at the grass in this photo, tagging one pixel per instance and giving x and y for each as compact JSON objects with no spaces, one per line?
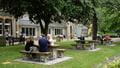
{"x":81,"y":58}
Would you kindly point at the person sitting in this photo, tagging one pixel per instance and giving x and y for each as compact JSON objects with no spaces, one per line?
{"x":30,"y":45}
{"x":43,"y":44}
{"x":51,"y":41}
{"x":107,"y":39}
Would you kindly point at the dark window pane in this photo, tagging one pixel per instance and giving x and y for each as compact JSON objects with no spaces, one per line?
{"x":33,"y":31}
{"x":0,"y":26}
{"x":0,"y":31}
{"x":6,"y":26}
{"x":23,"y":30}
{"x":27,"y":31}
{"x":58,"y":32}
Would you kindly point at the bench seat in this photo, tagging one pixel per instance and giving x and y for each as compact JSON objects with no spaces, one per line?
{"x":60,"y":53}
{"x":43,"y":56}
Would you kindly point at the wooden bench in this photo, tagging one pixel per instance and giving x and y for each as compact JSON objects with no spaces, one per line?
{"x":42,"y":56}
{"x":60,"y":53}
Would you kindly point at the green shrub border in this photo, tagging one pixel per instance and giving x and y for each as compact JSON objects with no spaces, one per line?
{"x":113,"y":62}
{"x":2,"y":41}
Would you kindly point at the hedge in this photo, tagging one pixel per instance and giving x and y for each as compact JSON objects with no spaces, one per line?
{"x":2,"y":41}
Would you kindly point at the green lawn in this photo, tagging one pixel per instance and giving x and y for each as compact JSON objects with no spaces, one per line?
{"x":81,"y":58}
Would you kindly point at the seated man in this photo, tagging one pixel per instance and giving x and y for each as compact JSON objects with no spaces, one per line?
{"x":43,"y":44}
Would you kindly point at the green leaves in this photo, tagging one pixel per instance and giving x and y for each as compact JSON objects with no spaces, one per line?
{"x":111,"y":16}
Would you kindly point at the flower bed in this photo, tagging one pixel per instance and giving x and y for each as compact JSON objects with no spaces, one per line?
{"x":113,"y":62}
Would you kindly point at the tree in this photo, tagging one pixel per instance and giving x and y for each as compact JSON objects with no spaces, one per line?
{"x":37,"y":10}
{"x":110,"y":20}
{"x":82,"y":10}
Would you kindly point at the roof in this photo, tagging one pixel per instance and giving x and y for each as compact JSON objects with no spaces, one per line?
{"x":59,"y":25}
{"x":27,"y":23}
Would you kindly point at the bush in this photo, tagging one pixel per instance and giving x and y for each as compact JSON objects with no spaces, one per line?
{"x":2,"y":41}
{"x":111,"y":63}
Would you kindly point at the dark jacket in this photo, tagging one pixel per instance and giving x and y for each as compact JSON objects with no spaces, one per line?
{"x":43,"y":44}
{"x":28,"y":45}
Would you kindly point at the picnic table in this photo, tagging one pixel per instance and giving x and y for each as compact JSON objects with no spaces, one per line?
{"x":53,"y":49}
{"x":91,"y":44}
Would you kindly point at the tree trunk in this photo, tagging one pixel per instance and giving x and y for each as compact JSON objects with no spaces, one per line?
{"x":94,"y":29}
{"x":44,"y":29}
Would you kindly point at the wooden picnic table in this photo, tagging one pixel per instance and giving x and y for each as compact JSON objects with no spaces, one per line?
{"x":90,"y":43}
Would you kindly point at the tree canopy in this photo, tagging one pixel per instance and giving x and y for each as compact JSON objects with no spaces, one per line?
{"x":47,"y":10}
{"x":110,"y":16}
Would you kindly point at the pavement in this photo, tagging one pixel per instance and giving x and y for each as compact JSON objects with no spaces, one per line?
{"x":50,"y":62}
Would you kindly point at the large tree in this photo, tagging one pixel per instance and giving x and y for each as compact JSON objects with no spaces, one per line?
{"x":38,"y":10}
{"x":82,"y":10}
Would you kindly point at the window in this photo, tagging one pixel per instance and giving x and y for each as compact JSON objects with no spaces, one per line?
{"x":49,"y":31}
{"x":23,"y":30}
{"x":0,"y":29}
{"x":33,"y":31}
{"x":1,"y":21}
{"x":0,"y":26}
{"x":7,"y":28}
{"x":28,"y":31}
{"x":58,"y":31}
{"x":8,"y":20}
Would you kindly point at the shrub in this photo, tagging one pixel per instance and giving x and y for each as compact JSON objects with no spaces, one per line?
{"x":2,"y":41}
{"x":111,"y":63}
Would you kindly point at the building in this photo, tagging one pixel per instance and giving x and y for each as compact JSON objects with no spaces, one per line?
{"x":28,"y":28}
{"x":24,"y":26}
{"x":9,"y":24}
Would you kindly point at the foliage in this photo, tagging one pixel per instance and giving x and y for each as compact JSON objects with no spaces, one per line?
{"x":110,"y":16}
{"x":2,"y":41}
{"x":85,"y":11}
{"x":113,"y":62}
{"x":47,"y":10}
{"x":37,"y":10}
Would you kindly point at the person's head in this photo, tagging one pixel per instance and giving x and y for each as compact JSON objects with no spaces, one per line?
{"x":43,"y":35}
{"x":31,"y":42}
{"x":28,"y":40}
{"x":49,"y":36}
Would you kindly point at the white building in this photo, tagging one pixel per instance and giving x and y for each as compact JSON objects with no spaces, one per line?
{"x":30,"y":29}
{"x":25,"y":26}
